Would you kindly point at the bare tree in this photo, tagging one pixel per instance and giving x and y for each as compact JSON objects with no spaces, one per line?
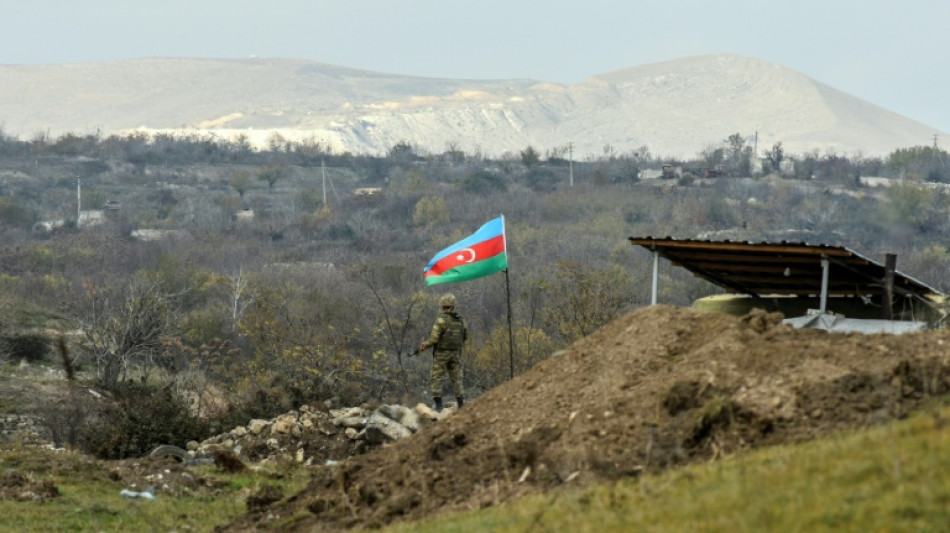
{"x":238,"y":298}
{"x":124,"y":328}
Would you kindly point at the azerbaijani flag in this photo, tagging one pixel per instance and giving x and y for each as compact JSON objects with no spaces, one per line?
{"x":482,"y":253}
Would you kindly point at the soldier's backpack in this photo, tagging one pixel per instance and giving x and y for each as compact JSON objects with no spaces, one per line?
{"x":454,"y":334}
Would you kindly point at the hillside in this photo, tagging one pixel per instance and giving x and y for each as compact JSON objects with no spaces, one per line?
{"x":657,"y":388}
{"x":676,"y":108}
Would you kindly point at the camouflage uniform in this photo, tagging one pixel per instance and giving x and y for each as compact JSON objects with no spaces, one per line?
{"x":448,"y":334}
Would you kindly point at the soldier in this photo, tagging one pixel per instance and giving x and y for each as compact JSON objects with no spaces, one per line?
{"x":448,"y":335}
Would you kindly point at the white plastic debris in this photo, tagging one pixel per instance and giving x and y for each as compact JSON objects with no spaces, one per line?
{"x":147,"y":494}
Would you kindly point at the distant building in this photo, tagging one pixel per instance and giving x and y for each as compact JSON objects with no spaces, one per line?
{"x":670,"y":172}
{"x":91,"y":218}
{"x":156,"y":234}
{"x":876,"y":181}
{"x":48,"y":225}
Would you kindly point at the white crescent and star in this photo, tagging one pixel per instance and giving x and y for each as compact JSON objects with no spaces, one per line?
{"x":462,"y":253}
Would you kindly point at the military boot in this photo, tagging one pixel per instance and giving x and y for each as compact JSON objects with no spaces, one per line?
{"x":438,"y":403}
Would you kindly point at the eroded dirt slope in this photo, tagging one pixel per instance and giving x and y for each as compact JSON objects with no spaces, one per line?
{"x":660,"y":387}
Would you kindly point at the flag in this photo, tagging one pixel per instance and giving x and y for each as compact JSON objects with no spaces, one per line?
{"x":482,"y":253}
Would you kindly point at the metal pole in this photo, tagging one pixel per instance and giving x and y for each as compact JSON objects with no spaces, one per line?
{"x":511,"y":341}
{"x":656,"y":270}
{"x":825,"y":267}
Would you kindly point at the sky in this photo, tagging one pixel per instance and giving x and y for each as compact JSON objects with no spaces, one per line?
{"x":891,"y":53}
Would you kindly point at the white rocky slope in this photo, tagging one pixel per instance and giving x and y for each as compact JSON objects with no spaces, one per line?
{"x":676,"y":108}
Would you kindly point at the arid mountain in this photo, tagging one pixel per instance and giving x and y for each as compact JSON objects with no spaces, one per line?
{"x":676,"y":108}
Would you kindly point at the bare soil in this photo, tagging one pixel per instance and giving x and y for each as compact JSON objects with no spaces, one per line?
{"x":658,"y":388}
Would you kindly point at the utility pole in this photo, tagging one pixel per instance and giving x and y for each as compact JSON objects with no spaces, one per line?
{"x":937,"y":157}
{"x":78,"y":200}
{"x":323,"y":166}
{"x":570,"y":161}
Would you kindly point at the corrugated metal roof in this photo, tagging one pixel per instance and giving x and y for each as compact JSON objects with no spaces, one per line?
{"x":762,"y":268}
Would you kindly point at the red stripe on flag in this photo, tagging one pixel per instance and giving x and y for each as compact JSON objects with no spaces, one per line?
{"x":473,"y":254}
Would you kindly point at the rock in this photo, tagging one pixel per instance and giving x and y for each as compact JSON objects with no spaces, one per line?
{"x":426,"y":412}
{"x":380,"y":429}
{"x":346,"y":413}
{"x":391,"y":411}
{"x":29,"y":496}
{"x":350,"y":422}
{"x":283,"y":425}
{"x":349,"y":431}
{"x":401,"y":414}
{"x":410,"y":419}
{"x":257,"y":426}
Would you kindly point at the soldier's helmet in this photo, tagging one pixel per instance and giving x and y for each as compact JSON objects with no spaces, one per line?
{"x":447,"y":300}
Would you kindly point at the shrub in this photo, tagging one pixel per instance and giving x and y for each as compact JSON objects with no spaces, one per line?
{"x":483,"y":182}
{"x":32,"y":346}
{"x":541,"y":179}
{"x":140,"y":419}
{"x":64,"y":418}
{"x":15,"y":215}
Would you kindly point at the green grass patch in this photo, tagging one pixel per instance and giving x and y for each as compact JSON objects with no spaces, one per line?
{"x":890,"y":478}
{"x":29,"y":315}
{"x":89,"y":496}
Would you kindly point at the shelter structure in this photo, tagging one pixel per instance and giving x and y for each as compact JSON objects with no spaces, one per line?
{"x":846,"y":289}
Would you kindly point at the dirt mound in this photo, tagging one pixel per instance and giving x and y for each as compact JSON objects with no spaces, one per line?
{"x":660,"y":387}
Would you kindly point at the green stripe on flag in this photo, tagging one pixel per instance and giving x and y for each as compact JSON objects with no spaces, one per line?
{"x":471,"y":270}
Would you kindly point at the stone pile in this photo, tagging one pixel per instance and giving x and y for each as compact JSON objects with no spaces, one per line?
{"x":25,"y":429}
{"x":314,"y":436}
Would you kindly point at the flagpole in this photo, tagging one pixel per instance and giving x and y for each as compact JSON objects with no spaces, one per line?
{"x":511,"y":342}
{"x":511,"y":337}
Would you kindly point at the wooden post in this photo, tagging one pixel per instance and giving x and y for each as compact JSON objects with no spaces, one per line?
{"x":656,"y":269}
{"x":887,"y":297}
{"x":825,"y":267}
